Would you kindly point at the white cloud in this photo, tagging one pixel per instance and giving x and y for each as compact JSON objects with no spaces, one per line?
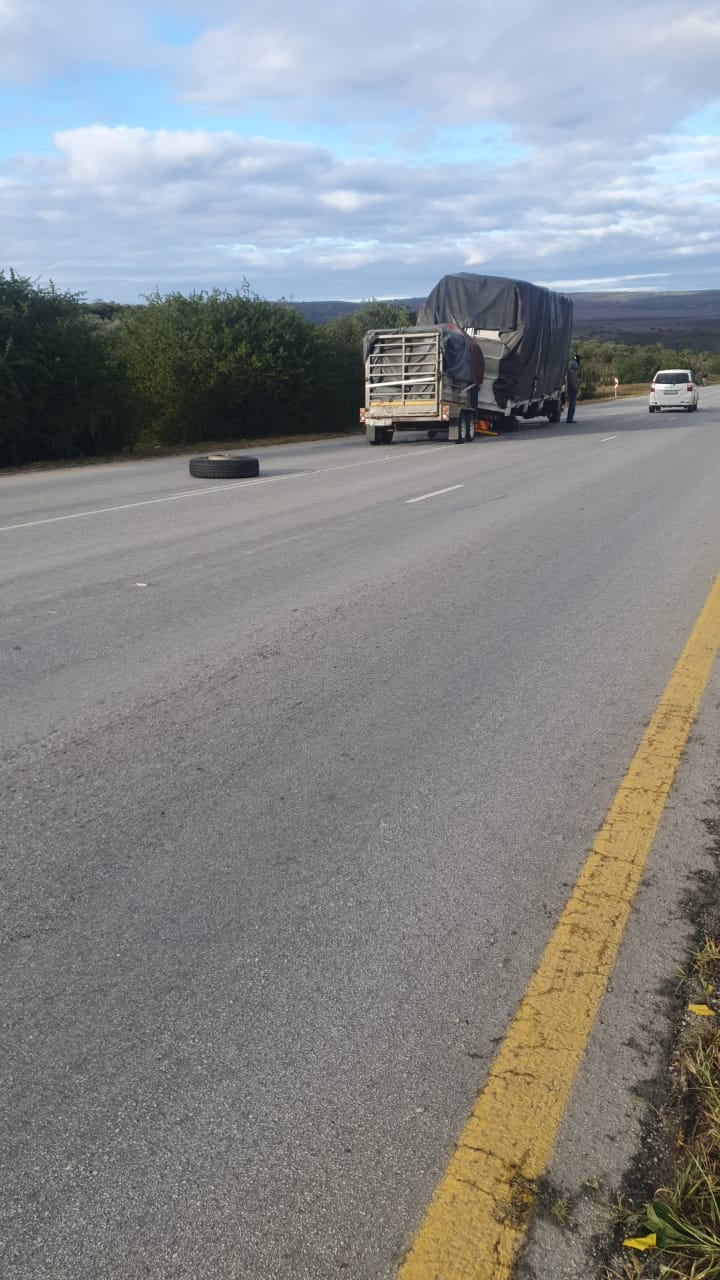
{"x":121,"y":210}
{"x":45,"y":37}
{"x":600,"y":189}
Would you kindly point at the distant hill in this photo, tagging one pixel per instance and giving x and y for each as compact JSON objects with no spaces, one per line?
{"x":687,"y":319}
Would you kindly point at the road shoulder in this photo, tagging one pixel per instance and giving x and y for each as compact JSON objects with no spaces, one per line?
{"x":611,"y":1138}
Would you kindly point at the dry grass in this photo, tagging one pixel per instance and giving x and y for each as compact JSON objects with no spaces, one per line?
{"x":631,"y":389}
{"x":142,"y":452}
{"x":681,"y":1226}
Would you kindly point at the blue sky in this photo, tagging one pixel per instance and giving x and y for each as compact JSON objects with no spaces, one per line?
{"x":318,"y":153}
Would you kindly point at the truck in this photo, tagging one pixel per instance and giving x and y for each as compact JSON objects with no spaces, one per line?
{"x":485,"y":349}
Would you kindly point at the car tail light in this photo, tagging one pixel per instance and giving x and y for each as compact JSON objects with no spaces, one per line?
{"x":689,"y":386}
{"x":652,"y":387}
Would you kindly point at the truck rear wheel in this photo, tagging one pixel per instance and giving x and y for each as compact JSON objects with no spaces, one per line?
{"x":462,"y":430}
{"x":471,"y":426}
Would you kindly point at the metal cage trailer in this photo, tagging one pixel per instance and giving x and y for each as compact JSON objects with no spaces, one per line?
{"x":409,"y":387}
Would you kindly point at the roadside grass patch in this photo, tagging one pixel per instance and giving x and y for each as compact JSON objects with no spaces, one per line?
{"x":677,"y":1235}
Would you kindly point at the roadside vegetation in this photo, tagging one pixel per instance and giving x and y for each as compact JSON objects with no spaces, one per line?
{"x":90,"y":380}
{"x":79,"y":380}
{"x":634,"y":366}
{"x":677,"y":1235}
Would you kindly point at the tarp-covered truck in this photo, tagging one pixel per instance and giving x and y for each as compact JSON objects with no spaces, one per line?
{"x":522,"y":333}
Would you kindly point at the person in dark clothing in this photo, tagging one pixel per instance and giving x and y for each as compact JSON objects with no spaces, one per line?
{"x":573,"y":375}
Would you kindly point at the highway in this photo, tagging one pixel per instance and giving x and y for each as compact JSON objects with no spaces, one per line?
{"x":297,"y":776}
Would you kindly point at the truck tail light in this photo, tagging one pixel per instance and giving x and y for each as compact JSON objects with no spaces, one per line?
{"x":363,"y":416}
{"x":445,"y":412}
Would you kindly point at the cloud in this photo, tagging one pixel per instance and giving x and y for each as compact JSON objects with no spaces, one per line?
{"x":323,"y":155}
{"x":40,"y":38}
{"x":538,"y":66}
{"x":124,"y":209}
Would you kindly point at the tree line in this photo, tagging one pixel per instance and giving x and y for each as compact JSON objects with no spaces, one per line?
{"x":631,"y":364}
{"x":80,"y":380}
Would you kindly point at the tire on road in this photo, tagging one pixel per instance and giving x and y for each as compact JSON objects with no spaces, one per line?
{"x":224,"y":467}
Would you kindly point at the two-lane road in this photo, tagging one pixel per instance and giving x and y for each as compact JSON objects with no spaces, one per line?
{"x":297,"y":774}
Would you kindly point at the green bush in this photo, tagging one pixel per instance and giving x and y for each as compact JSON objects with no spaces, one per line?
{"x":221,"y":366}
{"x":64,"y":391}
{"x":601,"y":362}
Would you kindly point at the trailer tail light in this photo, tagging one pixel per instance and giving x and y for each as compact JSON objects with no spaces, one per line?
{"x":363,"y":416}
{"x":445,"y":412}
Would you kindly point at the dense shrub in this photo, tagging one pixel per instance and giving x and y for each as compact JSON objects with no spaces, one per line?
{"x":64,"y":391}
{"x":220,"y":366}
{"x":601,"y":362}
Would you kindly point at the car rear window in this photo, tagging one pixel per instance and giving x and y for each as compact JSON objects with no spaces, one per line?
{"x":672,"y":376}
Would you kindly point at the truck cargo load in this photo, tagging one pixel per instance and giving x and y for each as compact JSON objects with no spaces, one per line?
{"x":524,"y":331}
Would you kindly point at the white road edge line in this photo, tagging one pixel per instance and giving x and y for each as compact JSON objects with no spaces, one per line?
{"x":217,"y":488}
{"x":436,"y":494}
{"x":608,"y":438}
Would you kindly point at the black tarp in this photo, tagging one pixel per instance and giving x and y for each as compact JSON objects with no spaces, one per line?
{"x":535,"y":325}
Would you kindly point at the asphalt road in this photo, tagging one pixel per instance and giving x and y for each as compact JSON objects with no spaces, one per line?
{"x":297,"y":774}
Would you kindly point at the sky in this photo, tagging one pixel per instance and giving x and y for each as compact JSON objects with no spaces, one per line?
{"x":349,"y":151}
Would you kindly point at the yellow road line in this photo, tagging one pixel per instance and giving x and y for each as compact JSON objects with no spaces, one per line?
{"x":477,"y":1217}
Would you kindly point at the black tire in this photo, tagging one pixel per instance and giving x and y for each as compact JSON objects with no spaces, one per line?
{"x":470,"y":427}
{"x":462,"y":430}
{"x":555,"y":414}
{"x":209,"y":468}
{"x":651,"y":408}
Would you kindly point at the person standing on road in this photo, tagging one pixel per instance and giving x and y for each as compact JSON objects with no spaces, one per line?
{"x":573,"y":374}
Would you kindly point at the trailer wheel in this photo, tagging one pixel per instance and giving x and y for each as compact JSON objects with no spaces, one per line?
{"x":555,"y":414}
{"x":224,"y":467}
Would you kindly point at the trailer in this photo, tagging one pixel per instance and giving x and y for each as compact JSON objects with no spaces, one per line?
{"x":423,"y":378}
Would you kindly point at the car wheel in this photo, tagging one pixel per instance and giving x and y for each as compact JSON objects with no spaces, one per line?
{"x":218,"y":466}
{"x":651,"y":408}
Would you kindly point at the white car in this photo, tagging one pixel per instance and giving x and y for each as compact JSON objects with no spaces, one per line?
{"x":674,"y":389}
